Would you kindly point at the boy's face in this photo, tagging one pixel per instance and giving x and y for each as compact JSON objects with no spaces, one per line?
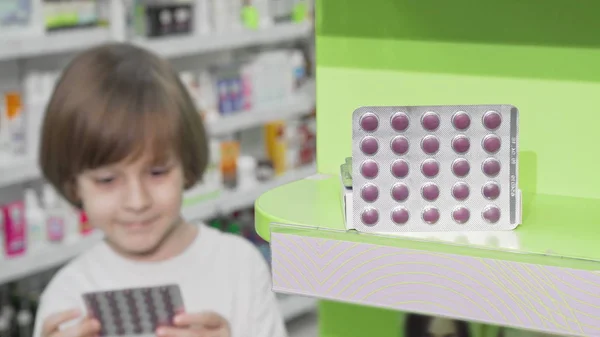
{"x":135,"y":203}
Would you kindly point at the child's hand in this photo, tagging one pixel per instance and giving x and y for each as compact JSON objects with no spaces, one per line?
{"x":207,"y":324}
{"x":88,"y":327}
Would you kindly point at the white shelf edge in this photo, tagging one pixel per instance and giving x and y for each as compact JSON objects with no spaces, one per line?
{"x":50,"y":256}
{"x":52,"y":43}
{"x":19,"y":170}
{"x":293,"y":306}
{"x":230,"y":201}
{"x":299,"y":104}
{"x":180,"y":46}
{"x":16,"y":47}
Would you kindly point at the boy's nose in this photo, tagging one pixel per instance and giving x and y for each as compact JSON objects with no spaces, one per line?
{"x":137,"y":197}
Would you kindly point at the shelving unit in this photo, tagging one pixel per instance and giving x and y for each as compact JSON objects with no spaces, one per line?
{"x":18,"y":52}
{"x":299,"y":104}
{"x":229,"y":201}
{"x":185,"y":46}
{"x":48,"y":257}
{"x":56,"y":255}
{"x":15,"y":171}
{"x":171,"y":47}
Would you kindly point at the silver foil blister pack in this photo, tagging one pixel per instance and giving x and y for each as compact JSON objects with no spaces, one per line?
{"x":435,"y":168}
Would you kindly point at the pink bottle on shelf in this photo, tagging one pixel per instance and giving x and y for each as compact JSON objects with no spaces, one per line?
{"x":15,"y":229}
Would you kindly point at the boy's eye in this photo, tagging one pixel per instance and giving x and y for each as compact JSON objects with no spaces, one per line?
{"x":105,"y":180}
{"x":159,"y":171}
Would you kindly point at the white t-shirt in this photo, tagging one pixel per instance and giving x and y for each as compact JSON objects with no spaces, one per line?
{"x":219,"y":272}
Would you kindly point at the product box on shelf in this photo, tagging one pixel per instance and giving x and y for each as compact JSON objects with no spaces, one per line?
{"x":158,"y":18}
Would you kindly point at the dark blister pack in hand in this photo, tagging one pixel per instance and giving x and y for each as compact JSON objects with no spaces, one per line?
{"x":134,"y":311}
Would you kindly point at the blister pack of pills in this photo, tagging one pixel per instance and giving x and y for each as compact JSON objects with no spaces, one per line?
{"x":134,"y":311}
{"x":435,"y":168}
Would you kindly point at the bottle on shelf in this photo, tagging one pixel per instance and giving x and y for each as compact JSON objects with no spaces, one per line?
{"x":55,"y":215}
{"x":35,"y":219}
{"x":298,"y":68}
{"x":12,"y":223}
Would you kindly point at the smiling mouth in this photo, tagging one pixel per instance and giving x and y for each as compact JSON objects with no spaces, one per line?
{"x":138,"y":224}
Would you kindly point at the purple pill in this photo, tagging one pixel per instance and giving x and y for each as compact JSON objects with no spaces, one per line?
{"x":491,"y":190}
{"x":399,"y":145}
{"x":461,"y":120}
{"x":370,"y":216}
{"x":491,"y":167}
{"x":492,"y":120}
{"x":400,"y":192}
{"x":461,"y":167}
{"x":491,"y":143}
{"x":369,"y":169}
{"x":430,"y":121}
{"x":369,"y":193}
{"x":430,"y":144}
{"x":430,"y":168}
{"x":400,"y":168}
{"x":369,"y":145}
{"x":400,"y":215}
{"x":491,"y":214}
{"x":461,"y":144}
{"x":461,"y":214}
{"x":431,"y":215}
{"x":430,"y":191}
{"x":369,"y":122}
{"x":460,"y":191}
{"x":400,"y":121}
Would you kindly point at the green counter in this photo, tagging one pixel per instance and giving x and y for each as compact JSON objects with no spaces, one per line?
{"x":539,"y":56}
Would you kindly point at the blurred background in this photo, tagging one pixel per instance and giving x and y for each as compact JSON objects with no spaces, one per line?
{"x":249,"y":66}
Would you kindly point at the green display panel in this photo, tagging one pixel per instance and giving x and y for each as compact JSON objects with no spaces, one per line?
{"x":541,"y":56}
{"x":397,"y":53}
{"x":518,"y":22}
{"x":382,"y":322}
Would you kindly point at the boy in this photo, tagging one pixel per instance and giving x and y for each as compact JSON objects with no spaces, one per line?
{"x":122,"y":140}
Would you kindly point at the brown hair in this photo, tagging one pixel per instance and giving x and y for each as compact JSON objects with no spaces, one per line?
{"x":114,"y":102}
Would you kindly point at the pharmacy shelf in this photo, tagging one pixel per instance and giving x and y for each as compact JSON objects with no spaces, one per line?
{"x":293,"y":307}
{"x":542,"y":276}
{"x":51,"y":256}
{"x":177,"y":46}
{"x":230,"y":201}
{"x":52,"y":43}
{"x":181,"y":46}
{"x":298,"y":104}
{"x":55,"y":255}
{"x":17,"y":170}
